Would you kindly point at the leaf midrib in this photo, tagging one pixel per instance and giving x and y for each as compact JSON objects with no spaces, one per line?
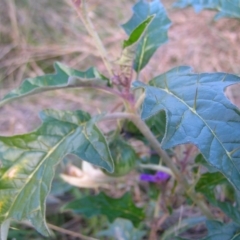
{"x":37,"y":168}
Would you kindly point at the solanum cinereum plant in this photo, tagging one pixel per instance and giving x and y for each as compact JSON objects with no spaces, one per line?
{"x":185,"y":107}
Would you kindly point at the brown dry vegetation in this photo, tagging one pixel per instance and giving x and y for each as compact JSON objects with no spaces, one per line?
{"x":34,"y":34}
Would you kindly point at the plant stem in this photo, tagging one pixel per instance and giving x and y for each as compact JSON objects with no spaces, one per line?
{"x":141,"y":125}
{"x":168,"y":161}
{"x":157,"y":168}
{"x":83,"y":14}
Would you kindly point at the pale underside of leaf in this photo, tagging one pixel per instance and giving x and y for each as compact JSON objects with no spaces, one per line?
{"x":156,"y":33}
{"x":198,"y":112}
{"x":28,"y":162}
{"x":130,"y":45}
{"x":64,"y":77}
{"x":225,"y":8}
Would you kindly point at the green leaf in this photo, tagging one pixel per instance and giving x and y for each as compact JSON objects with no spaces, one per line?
{"x":198,"y":112}
{"x":201,"y":160}
{"x":206,"y":185}
{"x":124,"y":157}
{"x":130,"y":45}
{"x":220,"y":231}
{"x":123,"y":229}
{"x":208,"y":182}
{"x":226,"y":8}
{"x":156,"y":33}
{"x":111,"y":207}
{"x":64,"y":77}
{"x":181,"y":227}
{"x":156,"y":123}
{"x":28,"y":162}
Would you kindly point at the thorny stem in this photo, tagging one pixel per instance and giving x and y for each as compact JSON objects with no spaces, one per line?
{"x":141,"y":125}
{"x":82,"y":11}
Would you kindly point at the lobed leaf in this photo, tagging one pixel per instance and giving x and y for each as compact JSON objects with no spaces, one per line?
{"x":226,"y":8}
{"x":154,"y":36}
{"x":198,"y":112}
{"x":111,"y":207}
{"x":64,"y":77}
{"x":27,"y":162}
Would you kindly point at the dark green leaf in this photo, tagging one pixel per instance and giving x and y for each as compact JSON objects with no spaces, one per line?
{"x":64,"y":77}
{"x":28,"y":162}
{"x":220,"y":231}
{"x":198,"y":112}
{"x":206,"y":185}
{"x":124,"y":157}
{"x":226,"y":8}
{"x":201,"y":160}
{"x":156,"y":123}
{"x":123,"y":229}
{"x":156,"y":33}
{"x":208,"y":182}
{"x":111,"y":207}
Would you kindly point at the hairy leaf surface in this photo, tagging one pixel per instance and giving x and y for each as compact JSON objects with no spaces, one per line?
{"x":226,"y":8}
{"x":27,"y":162}
{"x":156,"y":33}
{"x":64,"y":77}
{"x":111,"y":207}
{"x":198,"y":112}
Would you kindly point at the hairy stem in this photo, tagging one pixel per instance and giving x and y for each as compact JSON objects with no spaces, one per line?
{"x":83,"y":14}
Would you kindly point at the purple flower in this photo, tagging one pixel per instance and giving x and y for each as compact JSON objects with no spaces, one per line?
{"x":156,"y":178}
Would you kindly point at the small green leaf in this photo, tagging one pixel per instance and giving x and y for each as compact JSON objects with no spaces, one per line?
{"x":207,"y":184}
{"x":198,"y":112}
{"x":64,"y":77}
{"x":220,"y":231}
{"x":137,"y":33}
{"x":156,"y":123}
{"x":124,"y":157}
{"x":130,"y":45}
{"x":123,"y":229}
{"x":226,"y":8}
{"x":201,"y":160}
{"x":28,"y":162}
{"x":111,"y":207}
{"x":154,"y":36}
